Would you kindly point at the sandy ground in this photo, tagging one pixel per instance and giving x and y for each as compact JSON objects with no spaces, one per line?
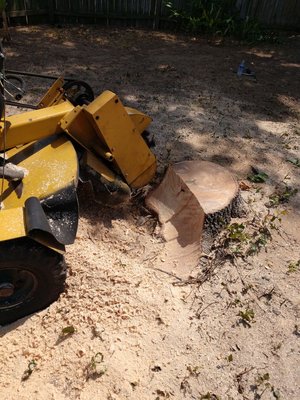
{"x":138,"y":333}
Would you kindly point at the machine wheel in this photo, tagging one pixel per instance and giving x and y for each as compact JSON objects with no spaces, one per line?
{"x":78,"y":92}
{"x":31,"y":277}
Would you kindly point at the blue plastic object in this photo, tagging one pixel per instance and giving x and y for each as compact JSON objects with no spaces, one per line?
{"x":241,"y":69}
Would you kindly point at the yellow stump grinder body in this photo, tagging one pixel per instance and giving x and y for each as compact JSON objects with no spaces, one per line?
{"x":43,"y":152}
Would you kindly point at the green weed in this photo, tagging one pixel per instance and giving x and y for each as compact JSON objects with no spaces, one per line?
{"x":66,"y":333}
{"x":248,"y":238}
{"x":281,"y":196}
{"x":259,"y":177}
{"x":294,"y":161}
{"x":293,"y":266}
{"x":237,"y":232}
{"x":262,"y":384}
{"x":28,"y":371}
{"x":218,"y":17}
{"x":246,"y":317}
{"x":96,"y":367}
{"x":68,"y":330}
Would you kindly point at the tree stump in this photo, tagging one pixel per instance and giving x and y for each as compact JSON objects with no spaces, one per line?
{"x":194,"y":197}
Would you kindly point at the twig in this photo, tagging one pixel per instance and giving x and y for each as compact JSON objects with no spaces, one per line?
{"x":238,"y":376}
{"x":204,"y":308}
{"x":150,"y":257}
{"x":267,"y":294}
{"x":201,"y":278}
{"x":168,"y":273}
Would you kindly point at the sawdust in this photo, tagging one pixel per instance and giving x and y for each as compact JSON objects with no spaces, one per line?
{"x":159,"y":340}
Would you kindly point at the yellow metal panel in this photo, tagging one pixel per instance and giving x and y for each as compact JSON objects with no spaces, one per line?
{"x":144,"y":178}
{"x":96,"y":164}
{"x":50,"y":169}
{"x":33,"y":125}
{"x":115,"y":127}
{"x":77,"y":125}
{"x":54,"y":94}
{"x":140,"y":120}
{"x":12,"y":224}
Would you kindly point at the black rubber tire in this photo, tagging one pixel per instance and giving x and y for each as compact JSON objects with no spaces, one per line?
{"x":45,"y":267}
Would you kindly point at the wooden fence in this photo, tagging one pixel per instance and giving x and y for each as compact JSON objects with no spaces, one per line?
{"x":149,"y":13}
{"x":146,"y":13}
{"x":282,"y":13}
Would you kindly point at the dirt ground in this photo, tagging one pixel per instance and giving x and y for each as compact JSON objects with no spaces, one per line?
{"x":140,"y":333}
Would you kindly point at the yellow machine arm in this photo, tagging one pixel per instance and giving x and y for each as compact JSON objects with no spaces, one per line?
{"x":110,"y":132}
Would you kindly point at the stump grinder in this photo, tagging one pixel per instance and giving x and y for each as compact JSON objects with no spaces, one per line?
{"x":44,"y":152}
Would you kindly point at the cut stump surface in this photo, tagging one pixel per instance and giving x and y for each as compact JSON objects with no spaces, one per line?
{"x":189,"y":192}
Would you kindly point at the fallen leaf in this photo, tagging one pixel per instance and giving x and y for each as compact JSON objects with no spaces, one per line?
{"x":244,"y":186}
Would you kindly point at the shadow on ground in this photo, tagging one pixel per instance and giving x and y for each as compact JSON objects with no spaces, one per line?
{"x":201,"y":109}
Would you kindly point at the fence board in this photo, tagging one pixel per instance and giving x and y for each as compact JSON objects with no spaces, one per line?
{"x":282,"y":13}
